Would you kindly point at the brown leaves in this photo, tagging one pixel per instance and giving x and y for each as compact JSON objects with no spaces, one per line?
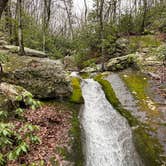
{"x":54,"y":124}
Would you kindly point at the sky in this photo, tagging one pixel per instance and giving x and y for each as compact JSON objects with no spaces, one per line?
{"x":79,"y":5}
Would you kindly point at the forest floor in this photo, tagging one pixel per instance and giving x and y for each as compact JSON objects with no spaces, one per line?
{"x":54,"y":122}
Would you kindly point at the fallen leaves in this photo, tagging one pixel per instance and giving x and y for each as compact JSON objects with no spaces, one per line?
{"x":54,"y":124}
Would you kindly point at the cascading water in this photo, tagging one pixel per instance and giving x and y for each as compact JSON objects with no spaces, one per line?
{"x":108,"y":137}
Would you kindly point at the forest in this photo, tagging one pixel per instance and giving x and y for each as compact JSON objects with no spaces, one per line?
{"x":82,"y":82}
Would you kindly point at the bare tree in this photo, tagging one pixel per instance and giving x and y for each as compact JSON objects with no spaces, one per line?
{"x":20,"y":33}
{"x":3,"y":4}
{"x":46,"y":20}
{"x":86,"y":11}
{"x":68,"y":7}
{"x":145,"y":8}
{"x":101,"y":23}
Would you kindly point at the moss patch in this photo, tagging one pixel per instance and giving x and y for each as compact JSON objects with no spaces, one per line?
{"x":75,"y":132}
{"x":138,"y":86}
{"x":76,"y":96}
{"x":148,"y":147}
{"x":138,"y":42}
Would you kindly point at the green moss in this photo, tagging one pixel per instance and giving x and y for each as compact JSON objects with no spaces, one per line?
{"x":148,"y":147}
{"x":75,"y":132}
{"x":76,"y":96}
{"x":111,"y":96}
{"x":85,"y":75}
{"x":3,"y":58}
{"x":89,"y":62}
{"x":138,"y":85}
{"x":137,"y":42}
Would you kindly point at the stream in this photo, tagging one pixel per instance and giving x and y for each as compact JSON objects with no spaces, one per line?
{"x":107,"y":137}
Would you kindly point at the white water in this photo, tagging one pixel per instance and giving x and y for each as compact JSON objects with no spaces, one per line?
{"x":108,"y":137}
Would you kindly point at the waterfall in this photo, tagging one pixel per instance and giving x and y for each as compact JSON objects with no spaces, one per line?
{"x":107,"y":136}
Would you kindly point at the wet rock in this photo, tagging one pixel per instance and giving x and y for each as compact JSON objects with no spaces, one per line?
{"x":44,"y":78}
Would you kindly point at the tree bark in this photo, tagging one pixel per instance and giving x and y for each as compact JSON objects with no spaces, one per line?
{"x":46,"y":20}
{"x":86,"y":11}
{"x":20,"y":33}
{"x":3,"y":4}
{"x":101,"y":30}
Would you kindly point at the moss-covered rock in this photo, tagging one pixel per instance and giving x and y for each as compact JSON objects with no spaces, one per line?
{"x":147,"y":146}
{"x":76,"y":96}
{"x":44,"y":78}
{"x":120,"y":63}
{"x":11,"y":96}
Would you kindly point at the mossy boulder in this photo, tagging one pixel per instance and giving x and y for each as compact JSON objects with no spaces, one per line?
{"x":11,"y":96}
{"x":44,"y":78}
{"x":76,"y":96}
{"x":147,"y":146}
{"x":120,"y":63}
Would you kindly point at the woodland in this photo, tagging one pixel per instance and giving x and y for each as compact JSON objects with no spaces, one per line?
{"x":48,"y":48}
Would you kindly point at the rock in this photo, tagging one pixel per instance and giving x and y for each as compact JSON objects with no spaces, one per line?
{"x":28,"y":51}
{"x":3,"y":42}
{"x":120,"y":63}
{"x":44,"y":78}
{"x":69,"y":63}
{"x":154,"y":76}
{"x":9,"y":95}
{"x":122,"y":42}
{"x":95,"y":68}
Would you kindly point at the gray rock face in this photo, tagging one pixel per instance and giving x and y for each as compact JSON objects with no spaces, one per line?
{"x":44,"y":78}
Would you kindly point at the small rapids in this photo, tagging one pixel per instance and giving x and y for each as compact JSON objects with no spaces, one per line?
{"x":107,"y":136}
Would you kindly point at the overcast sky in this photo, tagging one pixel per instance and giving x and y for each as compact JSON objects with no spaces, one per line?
{"x":79,"y":5}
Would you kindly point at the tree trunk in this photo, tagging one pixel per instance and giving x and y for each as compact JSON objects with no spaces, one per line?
{"x":67,"y":5}
{"x":101,"y":31}
{"x":20,"y":34}
{"x":8,"y":22}
{"x":46,"y":20}
{"x":3,"y":4}
{"x":86,"y":10}
{"x":144,"y":15}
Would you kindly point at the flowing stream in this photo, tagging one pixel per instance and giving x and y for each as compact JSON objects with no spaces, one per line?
{"x":107,"y":136}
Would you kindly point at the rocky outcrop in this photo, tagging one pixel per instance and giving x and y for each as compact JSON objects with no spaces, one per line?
{"x":69,"y":63}
{"x":28,"y":51}
{"x":114,"y":64}
{"x":120,"y":63}
{"x":11,"y":96}
{"x":44,"y":78}
{"x":121,"y":47}
{"x":96,"y":68}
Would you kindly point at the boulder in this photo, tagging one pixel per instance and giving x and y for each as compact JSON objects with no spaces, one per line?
{"x":122,"y":42}
{"x":43,"y":77}
{"x":3,"y":42}
{"x":9,"y":95}
{"x":122,"y":45}
{"x":96,"y":68}
{"x":28,"y":51}
{"x":120,"y":63}
{"x":69,"y":63}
